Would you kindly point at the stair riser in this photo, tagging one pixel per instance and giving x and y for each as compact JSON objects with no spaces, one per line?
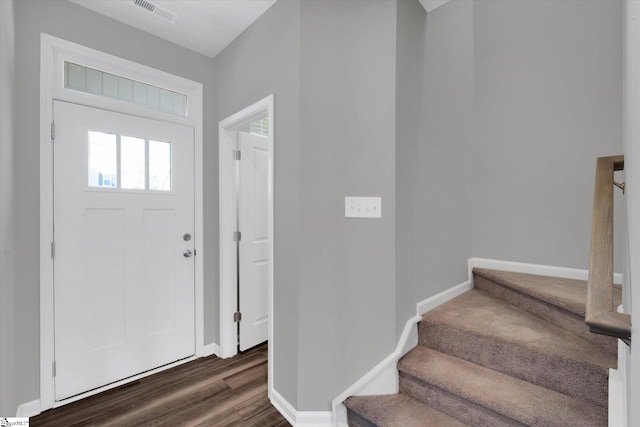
{"x":469,"y":408}
{"x":355,"y":420}
{"x":453,"y":405}
{"x":569,"y":377}
{"x":395,"y":410}
{"x":555,"y":315}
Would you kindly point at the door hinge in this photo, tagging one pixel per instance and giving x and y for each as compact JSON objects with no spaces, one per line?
{"x":53,"y":130}
{"x":237,"y":316}
{"x":237,"y":155}
{"x":53,"y":368}
{"x":53,"y":250}
{"x":237,"y":236}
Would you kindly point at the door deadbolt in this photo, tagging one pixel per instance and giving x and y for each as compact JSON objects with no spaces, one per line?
{"x":186,"y":237}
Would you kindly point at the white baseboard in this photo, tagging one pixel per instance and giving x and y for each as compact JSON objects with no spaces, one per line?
{"x":283,"y":406}
{"x":210,"y":349}
{"x":384,"y":382}
{"x":383,"y":378}
{"x":314,"y":419}
{"x":300,"y":418}
{"x":29,"y":409}
{"x":538,"y":269}
{"x":444,"y":296}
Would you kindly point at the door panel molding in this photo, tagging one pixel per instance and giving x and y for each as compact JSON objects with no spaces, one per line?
{"x":53,"y":53}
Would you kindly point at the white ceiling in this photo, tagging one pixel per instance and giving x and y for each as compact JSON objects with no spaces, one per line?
{"x":206,"y":26}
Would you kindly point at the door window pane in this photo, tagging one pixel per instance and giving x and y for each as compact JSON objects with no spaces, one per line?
{"x":132,"y":158}
{"x":103,"y":160}
{"x":129,"y":163}
{"x":159,"y":166}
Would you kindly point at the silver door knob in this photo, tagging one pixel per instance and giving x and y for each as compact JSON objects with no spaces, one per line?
{"x":187,"y":253}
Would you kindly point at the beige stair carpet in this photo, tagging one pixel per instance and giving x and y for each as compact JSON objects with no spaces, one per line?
{"x":513,"y":351}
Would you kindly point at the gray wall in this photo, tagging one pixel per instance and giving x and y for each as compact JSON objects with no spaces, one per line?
{"x":483,"y":121}
{"x":8,"y":400}
{"x":334,"y":92}
{"x":548,"y":99}
{"x":502,"y":108}
{"x":347,"y":148}
{"x":434,"y":119}
{"x":77,"y":24}
{"x":264,"y":60}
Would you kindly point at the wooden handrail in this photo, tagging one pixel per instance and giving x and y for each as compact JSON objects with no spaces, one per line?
{"x":601,"y":315}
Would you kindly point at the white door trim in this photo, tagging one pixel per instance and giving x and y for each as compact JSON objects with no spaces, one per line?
{"x":53,"y":53}
{"x":228,"y":262}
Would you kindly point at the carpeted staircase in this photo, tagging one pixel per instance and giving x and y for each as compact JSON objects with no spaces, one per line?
{"x":512,"y":351}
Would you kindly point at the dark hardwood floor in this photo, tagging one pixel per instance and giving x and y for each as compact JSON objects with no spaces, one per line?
{"x":205,"y":392}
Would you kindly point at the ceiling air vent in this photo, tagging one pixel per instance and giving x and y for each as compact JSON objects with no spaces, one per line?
{"x":159,"y":11}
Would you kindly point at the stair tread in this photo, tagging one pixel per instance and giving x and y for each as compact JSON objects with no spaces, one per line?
{"x":491,"y":332}
{"x":568,"y":294}
{"x":510,"y":352}
{"x":488,"y":316}
{"x":516,"y":399}
{"x":399,"y":410}
{"x":558,"y":301}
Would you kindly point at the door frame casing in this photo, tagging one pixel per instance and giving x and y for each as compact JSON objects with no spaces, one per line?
{"x":53,"y":53}
{"x":227,"y":216}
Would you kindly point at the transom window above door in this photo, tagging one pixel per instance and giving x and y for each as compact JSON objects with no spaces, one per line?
{"x":128,"y":162}
{"x":96,"y":82}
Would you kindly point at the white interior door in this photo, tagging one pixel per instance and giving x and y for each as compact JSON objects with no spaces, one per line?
{"x":123,"y":283}
{"x":253,"y":251}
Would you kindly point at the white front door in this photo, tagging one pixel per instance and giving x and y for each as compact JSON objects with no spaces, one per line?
{"x":123,"y":229}
{"x":253,"y":251}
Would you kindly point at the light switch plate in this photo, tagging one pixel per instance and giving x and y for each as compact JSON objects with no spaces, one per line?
{"x":362,"y":207}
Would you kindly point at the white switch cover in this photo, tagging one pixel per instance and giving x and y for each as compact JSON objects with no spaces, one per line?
{"x":362,"y":207}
